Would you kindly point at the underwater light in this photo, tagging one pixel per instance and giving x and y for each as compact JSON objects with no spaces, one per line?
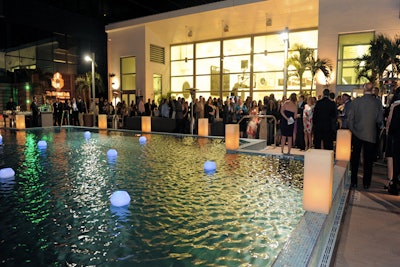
{"x":112,"y":153}
{"x":120,"y":198}
{"x":142,"y":140}
{"x":42,"y":144}
{"x":7,"y":173}
{"x":87,"y":135}
{"x":209,"y":167}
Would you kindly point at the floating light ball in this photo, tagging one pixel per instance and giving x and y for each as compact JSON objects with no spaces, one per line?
{"x":112,"y":153}
{"x":6,"y":173}
{"x":87,"y":135}
{"x":142,"y":140}
{"x":210,"y":167}
{"x":42,"y":144}
{"x":1,"y":140}
{"x":120,"y":198}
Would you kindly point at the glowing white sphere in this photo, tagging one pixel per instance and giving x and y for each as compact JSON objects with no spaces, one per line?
{"x":142,"y":140}
{"x":210,"y":166}
{"x":87,"y":135}
{"x":42,"y":144}
{"x":7,"y":173}
{"x":120,"y":198}
{"x":112,"y":153}
{"x":1,"y":139}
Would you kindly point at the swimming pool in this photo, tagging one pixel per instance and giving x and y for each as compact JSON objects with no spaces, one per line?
{"x":57,"y":210}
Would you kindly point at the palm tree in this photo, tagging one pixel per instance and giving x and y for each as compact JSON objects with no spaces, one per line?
{"x":319,"y":64}
{"x":300,"y":61}
{"x":83,"y":85}
{"x":305,"y":60}
{"x":382,"y":62}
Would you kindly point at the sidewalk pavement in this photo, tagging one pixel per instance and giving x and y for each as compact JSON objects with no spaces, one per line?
{"x":370,"y":231}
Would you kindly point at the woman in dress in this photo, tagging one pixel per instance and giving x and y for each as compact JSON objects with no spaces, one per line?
{"x":288,"y":113}
{"x":307,"y":121}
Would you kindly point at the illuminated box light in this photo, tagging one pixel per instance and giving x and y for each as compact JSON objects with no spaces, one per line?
{"x":102,"y":121}
{"x":318,"y":180}
{"x":20,"y":121}
{"x":343,"y":145}
{"x":146,"y":124}
{"x":203,"y":127}
{"x":232,"y":136}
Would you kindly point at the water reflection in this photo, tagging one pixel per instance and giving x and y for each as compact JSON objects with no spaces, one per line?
{"x":179,"y":215}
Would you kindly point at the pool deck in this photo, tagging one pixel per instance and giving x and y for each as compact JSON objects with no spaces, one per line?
{"x":369,"y":234}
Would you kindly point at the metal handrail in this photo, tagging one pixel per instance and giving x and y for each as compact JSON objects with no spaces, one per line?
{"x":262,"y":116}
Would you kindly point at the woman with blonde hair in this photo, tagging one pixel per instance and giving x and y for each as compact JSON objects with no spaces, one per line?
{"x":288,"y":113}
{"x":307,"y":121}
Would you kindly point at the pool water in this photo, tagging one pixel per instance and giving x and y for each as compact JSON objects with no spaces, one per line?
{"x":56,"y":211}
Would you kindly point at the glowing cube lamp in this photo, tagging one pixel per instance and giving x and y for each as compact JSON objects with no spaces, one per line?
{"x":318,"y":180}
{"x":102,"y":121}
{"x":232,"y":136}
{"x":20,"y":121}
{"x":146,"y":124}
{"x":343,"y":145}
{"x":203,"y":127}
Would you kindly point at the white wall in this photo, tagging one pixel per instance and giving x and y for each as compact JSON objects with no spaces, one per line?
{"x":129,"y":42}
{"x":346,"y":16}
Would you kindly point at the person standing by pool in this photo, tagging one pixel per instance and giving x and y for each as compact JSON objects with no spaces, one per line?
{"x":241,"y":110}
{"x":308,"y":121}
{"x":393,"y":144}
{"x":57,"y":112}
{"x":365,"y":113}
{"x":324,"y":122}
{"x":75,"y":112}
{"x":35,"y":112}
{"x":288,"y":113}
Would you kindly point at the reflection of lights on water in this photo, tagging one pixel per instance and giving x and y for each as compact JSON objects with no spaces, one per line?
{"x":6,"y":185}
{"x":122,"y":213}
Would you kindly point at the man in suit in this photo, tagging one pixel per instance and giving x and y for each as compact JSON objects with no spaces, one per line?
{"x":365,"y":113}
{"x":324,"y":122}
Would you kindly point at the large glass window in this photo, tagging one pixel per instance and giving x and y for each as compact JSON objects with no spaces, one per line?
{"x":128,"y":79}
{"x":351,"y":47}
{"x":128,"y":72}
{"x":229,"y":67}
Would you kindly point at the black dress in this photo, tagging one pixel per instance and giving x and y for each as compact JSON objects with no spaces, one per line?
{"x":286,"y":129}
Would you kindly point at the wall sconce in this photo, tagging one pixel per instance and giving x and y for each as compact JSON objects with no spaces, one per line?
{"x":318,"y":180}
{"x":232,"y":136}
{"x":115,"y":83}
{"x":146,"y":124}
{"x":190,"y":33}
{"x":20,"y":121}
{"x":102,"y":121}
{"x":268,"y":22}
{"x":343,"y":145}
{"x":203,"y":127}
{"x":226,"y":28}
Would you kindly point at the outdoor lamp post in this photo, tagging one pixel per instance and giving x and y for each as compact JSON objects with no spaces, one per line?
{"x":92,"y":59}
{"x":285,"y":38}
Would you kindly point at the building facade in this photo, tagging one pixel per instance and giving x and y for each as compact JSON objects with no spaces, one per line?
{"x":238,"y":48}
